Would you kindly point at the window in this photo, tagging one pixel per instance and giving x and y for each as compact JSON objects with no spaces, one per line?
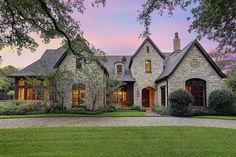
{"x":147,"y":49}
{"x":78,"y":64}
{"x":197,"y":88}
{"x":78,"y":94}
{"x":30,"y":93}
{"x":119,"y":97}
{"x":148,"y":66}
{"x":119,"y":70}
{"x":163,"y":96}
{"x":21,"y":89}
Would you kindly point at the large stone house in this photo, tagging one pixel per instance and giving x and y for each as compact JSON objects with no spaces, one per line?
{"x":150,"y":75}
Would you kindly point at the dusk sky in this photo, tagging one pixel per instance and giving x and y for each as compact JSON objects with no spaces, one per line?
{"x":115,"y":30}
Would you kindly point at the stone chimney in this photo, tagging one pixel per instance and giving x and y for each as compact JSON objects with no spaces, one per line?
{"x":176,"y":43}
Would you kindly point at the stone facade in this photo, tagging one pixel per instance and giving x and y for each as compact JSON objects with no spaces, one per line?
{"x":143,"y":79}
{"x":96,"y":78}
{"x":195,"y":65}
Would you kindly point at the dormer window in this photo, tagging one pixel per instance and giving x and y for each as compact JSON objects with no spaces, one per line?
{"x":119,"y":69}
{"x":78,"y":63}
{"x":148,"y":66}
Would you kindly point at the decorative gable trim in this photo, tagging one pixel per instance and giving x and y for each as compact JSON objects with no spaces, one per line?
{"x":140,"y":47}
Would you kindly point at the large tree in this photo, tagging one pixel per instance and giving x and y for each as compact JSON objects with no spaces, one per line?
{"x":48,"y":18}
{"x":214,"y":19}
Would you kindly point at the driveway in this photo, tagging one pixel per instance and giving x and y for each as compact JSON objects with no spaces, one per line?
{"x":116,"y":121}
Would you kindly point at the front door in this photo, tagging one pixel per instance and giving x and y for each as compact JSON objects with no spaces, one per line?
{"x":145,"y":97}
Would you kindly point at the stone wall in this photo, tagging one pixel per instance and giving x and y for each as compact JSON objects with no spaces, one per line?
{"x":195,"y":65}
{"x":142,"y":78}
{"x":98,"y":78}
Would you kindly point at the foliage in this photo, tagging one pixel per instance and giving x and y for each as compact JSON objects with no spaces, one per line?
{"x":222,"y":102}
{"x":231,"y":80}
{"x":16,"y":107}
{"x":225,"y":61}
{"x":180,"y":103}
{"x":7,"y":83}
{"x":221,"y":15}
{"x":49,"y":19}
{"x":162,"y":110}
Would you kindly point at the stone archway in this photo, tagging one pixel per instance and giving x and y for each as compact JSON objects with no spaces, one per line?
{"x":148,"y":97}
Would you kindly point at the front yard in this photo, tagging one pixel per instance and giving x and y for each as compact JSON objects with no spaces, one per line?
{"x":118,"y":142}
{"x":218,"y":117}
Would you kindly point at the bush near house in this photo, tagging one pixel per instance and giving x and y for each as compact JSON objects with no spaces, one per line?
{"x":162,"y":110}
{"x":18,"y":108}
{"x":222,"y":102}
{"x":180,"y":103}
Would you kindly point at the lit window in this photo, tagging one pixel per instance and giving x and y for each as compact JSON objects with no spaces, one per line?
{"x":30,"y":95}
{"x":78,"y":95}
{"x":119,"y":97}
{"x":148,"y":66}
{"x":78,"y":64}
{"x":119,"y":70}
{"x":21,"y":89}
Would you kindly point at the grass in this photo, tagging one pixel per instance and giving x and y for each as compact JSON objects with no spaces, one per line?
{"x":118,"y":142}
{"x":218,"y":117}
{"x":109,"y":114}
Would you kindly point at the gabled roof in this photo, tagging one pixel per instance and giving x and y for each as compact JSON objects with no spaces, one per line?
{"x":140,"y":47}
{"x":174,"y":60}
{"x":110,"y":66}
{"x":42,"y":66}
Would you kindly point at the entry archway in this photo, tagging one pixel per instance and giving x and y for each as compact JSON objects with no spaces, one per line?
{"x":148,"y":97}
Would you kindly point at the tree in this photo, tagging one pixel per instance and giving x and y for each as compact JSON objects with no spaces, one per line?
{"x":214,"y":19}
{"x":231,"y":80}
{"x":225,"y":61}
{"x":48,"y":18}
{"x":6,"y":83}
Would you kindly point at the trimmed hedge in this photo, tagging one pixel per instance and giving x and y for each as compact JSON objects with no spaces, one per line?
{"x":221,"y":102}
{"x":180,"y":103}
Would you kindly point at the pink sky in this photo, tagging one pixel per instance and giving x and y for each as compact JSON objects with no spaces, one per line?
{"x":115,"y":30}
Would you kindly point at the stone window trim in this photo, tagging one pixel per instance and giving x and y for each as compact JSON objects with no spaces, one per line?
{"x":119,"y":69}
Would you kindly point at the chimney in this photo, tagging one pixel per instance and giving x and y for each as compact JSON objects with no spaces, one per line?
{"x":176,"y":43}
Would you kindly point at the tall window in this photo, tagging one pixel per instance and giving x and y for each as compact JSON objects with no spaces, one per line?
{"x":78,"y":63}
{"x":119,"y":70}
{"x":148,"y":66}
{"x":21,"y":89}
{"x":197,"y":88}
{"x":163,"y":96}
{"x":78,"y":94}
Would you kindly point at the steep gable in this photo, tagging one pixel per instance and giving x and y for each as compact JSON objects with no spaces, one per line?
{"x":176,"y":58}
{"x":148,"y":39}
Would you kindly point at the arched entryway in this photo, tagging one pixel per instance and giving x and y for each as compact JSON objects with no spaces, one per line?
{"x":148,"y":97}
{"x":197,"y":87}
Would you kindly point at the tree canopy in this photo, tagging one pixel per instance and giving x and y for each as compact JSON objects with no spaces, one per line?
{"x":214,"y":19}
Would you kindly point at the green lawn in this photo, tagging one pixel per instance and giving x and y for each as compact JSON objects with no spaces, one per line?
{"x":118,"y":142}
{"x":218,"y":117}
{"x":109,"y":114}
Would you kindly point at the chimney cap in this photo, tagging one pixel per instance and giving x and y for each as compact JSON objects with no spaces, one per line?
{"x":176,"y":35}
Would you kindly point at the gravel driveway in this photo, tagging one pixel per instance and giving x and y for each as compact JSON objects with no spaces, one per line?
{"x":118,"y":121}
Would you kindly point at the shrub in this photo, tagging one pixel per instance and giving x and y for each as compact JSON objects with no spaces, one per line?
{"x":180,"y":103}
{"x":139,"y":108}
{"x":222,"y":102}
{"x":16,"y":107}
{"x":162,"y":110}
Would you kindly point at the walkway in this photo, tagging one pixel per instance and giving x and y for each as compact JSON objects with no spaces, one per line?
{"x":116,"y":121}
